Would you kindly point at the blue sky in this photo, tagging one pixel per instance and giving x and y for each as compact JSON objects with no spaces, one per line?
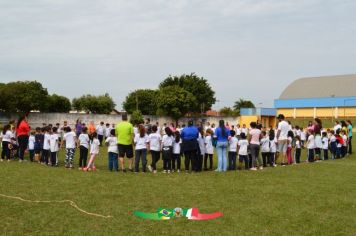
{"x":245,"y":48}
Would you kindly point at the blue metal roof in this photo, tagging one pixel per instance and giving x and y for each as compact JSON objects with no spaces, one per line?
{"x":316,"y":102}
{"x":258,"y":112}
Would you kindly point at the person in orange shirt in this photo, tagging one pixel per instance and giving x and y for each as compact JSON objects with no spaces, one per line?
{"x":91,"y":128}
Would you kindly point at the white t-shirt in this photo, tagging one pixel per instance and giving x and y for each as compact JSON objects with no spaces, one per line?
{"x":107,"y":132}
{"x":243,"y":144}
{"x":297,"y":144}
{"x":290,"y":140}
{"x":155,"y":140}
{"x":7,"y":136}
{"x":84,"y":140}
{"x":303,"y":136}
{"x":70,"y":139}
{"x":94,"y":146}
{"x":273,"y":145}
{"x":31,"y":142}
{"x":325,"y":142}
{"x":112,"y":142}
{"x":46,"y":143}
{"x":244,"y":130}
{"x":238,"y":131}
{"x":345,"y":140}
{"x":141,"y":142}
{"x":233,"y":144}
{"x":201,"y":142}
{"x":100,"y":130}
{"x":167,"y":141}
{"x":53,"y":142}
{"x":311,"y":142}
{"x":284,"y":127}
{"x":265,"y":145}
{"x":209,"y":145}
{"x":337,"y":127}
{"x":177,"y":147}
{"x":332,"y":139}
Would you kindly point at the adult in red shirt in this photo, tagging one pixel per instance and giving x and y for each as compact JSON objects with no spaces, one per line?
{"x":23,"y":134}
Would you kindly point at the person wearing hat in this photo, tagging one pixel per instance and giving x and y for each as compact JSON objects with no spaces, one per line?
{"x":282,"y":137}
{"x":190,"y":146}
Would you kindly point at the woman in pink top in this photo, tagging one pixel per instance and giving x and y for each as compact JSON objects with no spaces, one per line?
{"x":254,"y":140}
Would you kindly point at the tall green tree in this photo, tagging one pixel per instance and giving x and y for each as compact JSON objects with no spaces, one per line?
{"x":23,"y":96}
{"x":197,"y":86}
{"x":56,"y":103}
{"x":102,"y":104}
{"x":241,"y":103}
{"x":174,"y":101}
{"x":145,"y":100}
{"x":136,"y":118}
{"x":228,"y":111}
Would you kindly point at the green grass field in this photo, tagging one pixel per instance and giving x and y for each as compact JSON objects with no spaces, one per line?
{"x":305,"y":199}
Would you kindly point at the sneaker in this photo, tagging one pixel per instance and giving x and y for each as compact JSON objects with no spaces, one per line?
{"x":172,"y":171}
{"x":187,"y":171}
{"x":261,"y":167}
{"x":164,"y":172}
{"x":178,"y":171}
{"x":155,"y":172}
{"x":85,"y":169}
{"x":20,"y":160}
{"x":71,"y":166}
{"x":169,"y":172}
{"x":150,"y":168}
{"x":1,"y":160}
{"x":254,"y":169}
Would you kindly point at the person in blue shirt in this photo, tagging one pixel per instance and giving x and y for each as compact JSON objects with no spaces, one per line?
{"x":190,"y":146}
{"x":222,"y":134}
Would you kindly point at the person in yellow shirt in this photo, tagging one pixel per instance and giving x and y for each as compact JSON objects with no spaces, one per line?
{"x":125,"y":133}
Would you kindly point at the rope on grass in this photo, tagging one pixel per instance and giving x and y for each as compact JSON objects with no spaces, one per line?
{"x":71,"y":203}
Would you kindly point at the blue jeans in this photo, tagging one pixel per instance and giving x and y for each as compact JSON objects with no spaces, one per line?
{"x":221,"y":148}
{"x":113,"y":161}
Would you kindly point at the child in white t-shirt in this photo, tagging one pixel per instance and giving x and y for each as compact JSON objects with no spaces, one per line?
{"x":113,"y":152}
{"x":202,"y":150}
{"x":265,"y":148}
{"x":333,"y":144}
{"x":155,"y":148}
{"x":209,"y":150}
{"x":167,"y":150}
{"x":53,"y":143}
{"x":345,"y":144}
{"x":273,"y":148}
{"x":176,"y":157}
{"x":232,"y":150}
{"x":46,"y":146}
{"x":84,"y":141}
{"x":242,"y":151}
{"x":70,"y":140}
{"x":141,"y":141}
{"x":325,"y":142}
{"x":298,"y":149}
{"x":31,"y":145}
{"x":94,"y":152}
{"x":311,"y":146}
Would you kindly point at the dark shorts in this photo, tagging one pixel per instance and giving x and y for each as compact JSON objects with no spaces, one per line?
{"x":125,"y":150}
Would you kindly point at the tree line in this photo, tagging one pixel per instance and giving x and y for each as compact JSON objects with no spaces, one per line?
{"x":26,"y":96}
{"x":178,"y":96}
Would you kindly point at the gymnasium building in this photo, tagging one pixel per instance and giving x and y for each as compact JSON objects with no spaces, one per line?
{"x":324,"y":97}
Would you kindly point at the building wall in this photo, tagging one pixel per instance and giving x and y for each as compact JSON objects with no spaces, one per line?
{"x":332,"y":112}
{"x":266,"y":121}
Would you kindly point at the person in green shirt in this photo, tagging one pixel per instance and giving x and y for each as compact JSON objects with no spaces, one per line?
{"x":350,"y":129}
{"x":125,"y":134}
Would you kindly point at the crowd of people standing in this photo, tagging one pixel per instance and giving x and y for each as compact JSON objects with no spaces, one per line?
{"x":236,"y":147}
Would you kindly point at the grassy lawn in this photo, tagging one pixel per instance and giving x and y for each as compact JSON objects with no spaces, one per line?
{"x":305,"y":199}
